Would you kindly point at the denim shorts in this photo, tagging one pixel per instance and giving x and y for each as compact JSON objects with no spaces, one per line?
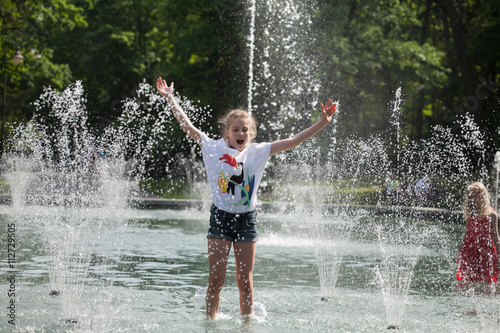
{"x":233,"y":227}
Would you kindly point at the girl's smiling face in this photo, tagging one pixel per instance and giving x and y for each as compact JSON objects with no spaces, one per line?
{"x":238,"y":134}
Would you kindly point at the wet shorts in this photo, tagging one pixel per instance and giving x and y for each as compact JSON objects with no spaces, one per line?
{"x":233,"y":227}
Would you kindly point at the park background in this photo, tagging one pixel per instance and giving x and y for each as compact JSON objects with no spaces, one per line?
{"x":443,"y":54}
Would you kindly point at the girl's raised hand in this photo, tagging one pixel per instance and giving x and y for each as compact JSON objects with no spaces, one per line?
{"x":328,"y":110}
{"x":163,"y":88}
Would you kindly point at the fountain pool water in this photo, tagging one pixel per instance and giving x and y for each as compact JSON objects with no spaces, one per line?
{"x":148,"y":274}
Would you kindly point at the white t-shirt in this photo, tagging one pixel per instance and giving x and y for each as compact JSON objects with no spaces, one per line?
{"x":234,"y":176}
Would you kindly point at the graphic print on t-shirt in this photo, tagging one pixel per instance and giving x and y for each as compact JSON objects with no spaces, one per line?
{"x":230,"y":182}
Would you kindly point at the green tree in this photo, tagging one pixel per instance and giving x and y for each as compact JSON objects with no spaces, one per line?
{"x":194,"y":43}
{"x":28,"y":25}
{"x":444,"y":55}
{"x":474,"y":52}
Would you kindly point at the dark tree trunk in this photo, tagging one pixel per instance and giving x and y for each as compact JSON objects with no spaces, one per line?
{"x":463,"y":61}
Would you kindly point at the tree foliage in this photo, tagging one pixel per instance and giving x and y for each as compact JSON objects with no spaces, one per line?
{"x":444,"y":54}
{"x":28,"y":25}
{"x":440,"y":52}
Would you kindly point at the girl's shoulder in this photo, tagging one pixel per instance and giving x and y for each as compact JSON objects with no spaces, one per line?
{"x":260,"y":146}
{"x":209,"y":140}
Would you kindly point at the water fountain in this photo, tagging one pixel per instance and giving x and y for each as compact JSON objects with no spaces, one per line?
{"x":251,"y":47}
{"x":328,"y":250}
{"x":56,"y":161}
{"x":350,"y":158}
{"x":395,"y":272}
{"x":85,"y":247}
{"x":87,"y":262}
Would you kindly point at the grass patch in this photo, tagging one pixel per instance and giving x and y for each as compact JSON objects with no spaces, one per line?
{"x":173,"y":189}
{"x":4,"y":187}
{"x":363,"y":191}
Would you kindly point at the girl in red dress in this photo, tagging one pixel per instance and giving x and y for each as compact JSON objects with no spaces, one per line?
{"x":478,"y":259}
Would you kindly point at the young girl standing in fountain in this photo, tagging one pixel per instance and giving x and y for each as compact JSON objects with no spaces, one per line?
{"x":478,"y":258}
{"x":234,"y":168}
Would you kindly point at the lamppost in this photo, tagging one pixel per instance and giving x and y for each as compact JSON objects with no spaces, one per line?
{"x":17,"y":58}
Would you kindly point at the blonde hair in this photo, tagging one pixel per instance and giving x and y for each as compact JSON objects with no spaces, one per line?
{"x":226,"y":120}
{"x":483,"y":207}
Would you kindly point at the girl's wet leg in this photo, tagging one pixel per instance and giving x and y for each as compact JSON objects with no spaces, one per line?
{"x":245,"y":257}
{"x":218,"y":252}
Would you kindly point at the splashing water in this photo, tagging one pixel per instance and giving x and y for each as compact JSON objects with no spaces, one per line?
{"x":282,"y":98}
{"x":394,"y":277}
{"x":329,"y":250}
{"x":400,"y":246}
{"x":75,"y":166}
{"x":57,"y":160}
{"x":77,"y":180}
{"x":251,"y":40}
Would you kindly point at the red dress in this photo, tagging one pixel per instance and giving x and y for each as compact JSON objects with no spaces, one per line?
{"x":478,"y":259}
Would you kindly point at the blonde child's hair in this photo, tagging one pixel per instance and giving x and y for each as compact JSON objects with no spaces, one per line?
{"x":484,"y":202}
{"x":226,"y":120}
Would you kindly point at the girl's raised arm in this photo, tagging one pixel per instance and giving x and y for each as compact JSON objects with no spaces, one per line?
{"x":168,"y":92}
{"x":327,"y":112}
